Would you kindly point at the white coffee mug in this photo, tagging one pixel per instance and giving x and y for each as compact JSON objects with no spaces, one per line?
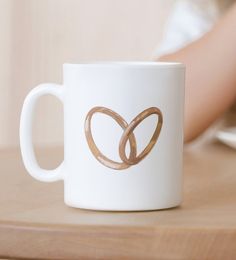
{"x":123,"y":135}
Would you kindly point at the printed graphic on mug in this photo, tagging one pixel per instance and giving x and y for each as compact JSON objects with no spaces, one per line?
{"x":128,"y":135}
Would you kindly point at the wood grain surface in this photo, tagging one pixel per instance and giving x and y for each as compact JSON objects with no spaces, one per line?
{"x":35,"y":223}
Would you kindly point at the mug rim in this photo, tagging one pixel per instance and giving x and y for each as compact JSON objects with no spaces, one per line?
{"x":159,"y":64}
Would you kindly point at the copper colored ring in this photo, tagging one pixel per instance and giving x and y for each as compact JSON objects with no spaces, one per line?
{"x":129,"y":132}
{"x":94,"y":149}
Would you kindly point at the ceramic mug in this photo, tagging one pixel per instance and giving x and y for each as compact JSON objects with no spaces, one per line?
{"x":123,"y":135}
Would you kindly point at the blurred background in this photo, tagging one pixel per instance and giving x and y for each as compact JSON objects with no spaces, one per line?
{"x":37,"y":37}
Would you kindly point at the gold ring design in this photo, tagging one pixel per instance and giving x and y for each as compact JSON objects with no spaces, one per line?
{"x":128,"y":135}
{"x":129,"y":130}
{"x":93,"y":147}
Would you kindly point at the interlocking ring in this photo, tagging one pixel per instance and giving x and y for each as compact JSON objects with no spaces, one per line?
{"x":94,"y":149}
{"x":129,"y":130}
{"x":128,"y":135}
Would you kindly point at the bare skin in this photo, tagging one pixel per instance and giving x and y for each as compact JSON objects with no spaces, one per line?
{"x":210,"y":75}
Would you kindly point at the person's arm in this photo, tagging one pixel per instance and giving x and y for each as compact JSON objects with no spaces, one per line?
{"x":210,"y":75}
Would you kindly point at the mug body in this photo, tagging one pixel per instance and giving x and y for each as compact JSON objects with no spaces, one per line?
{"x":123,"y":135}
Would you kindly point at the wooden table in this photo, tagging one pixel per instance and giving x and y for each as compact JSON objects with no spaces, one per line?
{"x":35,"y":223}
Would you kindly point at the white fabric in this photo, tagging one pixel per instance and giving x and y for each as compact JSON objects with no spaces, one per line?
{"x":187,"y":22}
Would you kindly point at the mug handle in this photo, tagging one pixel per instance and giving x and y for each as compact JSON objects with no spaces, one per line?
{"x":27,"y":149}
